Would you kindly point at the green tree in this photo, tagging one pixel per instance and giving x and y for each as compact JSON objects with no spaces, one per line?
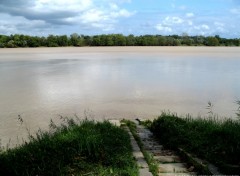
{"x":130,"y":40}
{"x":170,"y":41}
{"x":176,"y":42}
{"x":187,"y":40}
{"x":62,"y":40}
{"x":119,"y":40}
{"x":3,"y":41}
{"x":109,"y":40}
{"x":52,"y":41}
{"x":149,"y":40}
{"x":74,"y":39}
{"x":87,"y":40}
{"x":162,"y":40}
{"x":11,"y":44}
{"x":212,"y":41}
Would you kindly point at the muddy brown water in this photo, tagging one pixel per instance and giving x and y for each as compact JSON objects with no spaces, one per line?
{"x":40,"y":84}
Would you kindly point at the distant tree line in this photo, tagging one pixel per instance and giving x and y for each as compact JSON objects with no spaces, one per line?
{"x":18,"y":40}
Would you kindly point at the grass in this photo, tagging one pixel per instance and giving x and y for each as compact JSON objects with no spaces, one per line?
{"x":83,"y":148}
{"x":153,"y":165}
{"x":217,"y":141}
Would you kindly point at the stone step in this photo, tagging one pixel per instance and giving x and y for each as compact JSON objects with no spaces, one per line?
{"x":163,"y":152}
{"x":173,"y":168}
{"x":151,"y":148}
{"x":150,"y":142}
{"x":169,"y":163}
{"x":144,"y":172}
{"x":167,"y":159}
{"x":141,"y":162}
{"x":178,"y":174}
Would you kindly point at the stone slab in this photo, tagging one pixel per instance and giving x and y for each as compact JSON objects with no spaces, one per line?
{"x":144,"y":135}
{"x":137,"y":154}
{"x":173,"y":168}
{"x":141,"y":162}
{"x":177,"y":174}
{"x":163,"y":152}
{"x":167,"y":159}
{"x":151,"y":148}
{"x":144,"y":172}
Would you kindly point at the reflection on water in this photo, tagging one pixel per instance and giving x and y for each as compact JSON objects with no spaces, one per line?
{"x":123,"y":87}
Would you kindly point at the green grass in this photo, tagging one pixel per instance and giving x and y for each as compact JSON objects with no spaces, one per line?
{"x":84,"y":148}
{"x":217,"y":141}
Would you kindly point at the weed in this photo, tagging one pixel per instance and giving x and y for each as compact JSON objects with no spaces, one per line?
{"x":210,"y":108}
{"x":238,"y":109}
{"x":217,"y":141}
{"x":84,"y":148}
{"x":146,"y":123}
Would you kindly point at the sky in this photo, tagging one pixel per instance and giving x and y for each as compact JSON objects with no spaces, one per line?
{"x":138,"y":17}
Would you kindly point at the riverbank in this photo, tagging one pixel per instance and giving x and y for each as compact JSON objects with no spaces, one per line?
{"x":99,"y":148}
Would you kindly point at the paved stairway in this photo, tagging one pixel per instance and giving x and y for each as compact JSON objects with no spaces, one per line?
{"x":169,"y":163}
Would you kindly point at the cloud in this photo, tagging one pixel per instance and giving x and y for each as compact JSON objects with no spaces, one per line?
{"x":189,"y":15}
{"x":202,"y":27}
{"x":122,"y":13}
{"x":92,"y":17}
{"x":170,"y":24}
{"x":163,"y":28}
{"x":219,"y":26}
{"x":172,"y":20}
{"x":113,"y":6}
{"x":62,"y":5}
{"x":193,"y":26}
{"x":55,"y":13}
{"x":16,"y":24}
{"x":189,"y":22}
{"x":235,"y":11}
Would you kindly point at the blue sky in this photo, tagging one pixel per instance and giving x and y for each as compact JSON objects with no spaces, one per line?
{"x":138,"y":17}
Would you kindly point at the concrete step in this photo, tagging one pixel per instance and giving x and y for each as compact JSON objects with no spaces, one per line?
{"x":169,"y":163}
{"x":167,"y":159}
{"x":144,"y":172}
{"x":154,"y":147}
{"x":178,"y":174}
{"x":163,"y":152}
{"x":173,"y":168}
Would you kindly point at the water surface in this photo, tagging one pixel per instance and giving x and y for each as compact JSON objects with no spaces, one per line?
{"x":43,"y":83}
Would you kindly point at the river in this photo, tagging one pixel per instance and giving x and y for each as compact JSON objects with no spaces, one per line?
{"x":40,"y":84}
